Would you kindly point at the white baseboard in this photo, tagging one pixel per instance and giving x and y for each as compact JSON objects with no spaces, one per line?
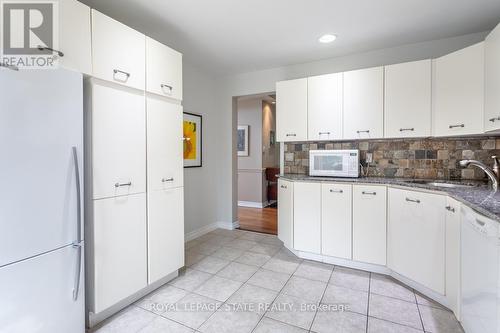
{"x":251,"y":204}
{"x":228,"y":225}
{"x":200,"y":232}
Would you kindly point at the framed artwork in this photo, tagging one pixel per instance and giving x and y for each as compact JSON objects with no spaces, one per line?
{"x":192,"y":138}
{"x":272,"y":138}
{"x":242,"y":144}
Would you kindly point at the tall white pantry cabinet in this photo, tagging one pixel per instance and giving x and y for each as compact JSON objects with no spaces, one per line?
{"x":135,"y":195}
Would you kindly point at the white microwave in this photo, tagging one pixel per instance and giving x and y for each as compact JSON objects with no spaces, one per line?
{"x":334,"y":163}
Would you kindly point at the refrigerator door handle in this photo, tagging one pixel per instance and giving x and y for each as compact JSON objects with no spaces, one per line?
{"x":76,"y":287}
{"x":78,"y":196}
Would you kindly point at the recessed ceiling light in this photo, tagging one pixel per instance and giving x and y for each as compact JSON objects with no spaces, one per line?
{"x":328,"y":38}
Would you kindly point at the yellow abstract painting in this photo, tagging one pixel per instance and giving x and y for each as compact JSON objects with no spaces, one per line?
{"x":190,"y":140}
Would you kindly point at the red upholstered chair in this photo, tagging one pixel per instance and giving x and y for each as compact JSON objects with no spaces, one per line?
{"x":272,"y":183}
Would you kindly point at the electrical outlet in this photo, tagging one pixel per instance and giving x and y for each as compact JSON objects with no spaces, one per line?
{"x":369,"y":157}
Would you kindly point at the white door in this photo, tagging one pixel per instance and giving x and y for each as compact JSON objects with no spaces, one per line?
{"x":336,"y":220}
{"x":38,"y":197}
{"x":163,"y":70}
{"x":75,"y":36}
{"x":307,"y":217}
{"x":364,"y":103}
{"x":120,"y":250}
{"x":416,"y":237}
{"x":408,"y":99}
{"x":118,"y":52}
{"x":39,"y":294}
{"x":459,"y":92}
{"x":164,"y":141}
{"x":325,"y":104}
{"x":452,"y":252}
{"x":285,"y":212}
{"x":118,"y":141}
{"x":492,"y":81}
{"x":165,"y":232}
{"x":369,"y":224}
{"x":291,"y":110}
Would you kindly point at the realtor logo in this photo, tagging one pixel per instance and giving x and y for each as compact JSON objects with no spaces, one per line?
{"x":29,"y":34}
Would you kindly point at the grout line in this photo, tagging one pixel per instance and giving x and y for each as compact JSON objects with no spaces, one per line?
{"x":321,"y":299}
{"x":418,"y":308}
{"x":368,"y":305}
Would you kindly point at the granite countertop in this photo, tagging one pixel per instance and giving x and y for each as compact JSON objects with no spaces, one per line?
{"x":478,"y":196}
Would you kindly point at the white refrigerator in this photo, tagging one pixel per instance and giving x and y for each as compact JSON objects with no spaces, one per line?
{"x":41,"y":200}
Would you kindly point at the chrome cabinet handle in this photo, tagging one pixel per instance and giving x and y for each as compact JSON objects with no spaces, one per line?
{"x":164,"y":180}
{"x":78,"y":196}
{"x":45,"y":48}
{"x":291,"y":135}
{"x":123,"y":184}
{"x":406,"y":129}
{"x":167,"y":86}
{"x":116,"y":71}
{"x":481,"y":223}
{"x":365,"y":131}
{"x":283,"y":186}
{"x":11,"y":67}
{"x":336,"y":191}
{"x":451,"y":209}
{"x":458,"y":125}
{"x":76,"y":285}
{"x":369,"y":193}
{"x":322,"y":133}
{"x":413,"y":200}
{"x":494,"y":119}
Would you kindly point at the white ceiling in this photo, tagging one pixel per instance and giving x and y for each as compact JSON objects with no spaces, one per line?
{"x":233,"y":36}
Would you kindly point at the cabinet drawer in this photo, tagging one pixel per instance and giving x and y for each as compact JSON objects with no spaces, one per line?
{"x":336,"y":220}
{"x":369,"y":224}
{"x":120,"y":267}
{"x":164,"y":133}
{"x":165,"y":232}
{"x":163,"y":70}
{"x":118,"y":52}
{"x":118,"y":142}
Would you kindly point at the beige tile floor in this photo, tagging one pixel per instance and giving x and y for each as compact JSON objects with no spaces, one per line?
{"x":240,"y":281}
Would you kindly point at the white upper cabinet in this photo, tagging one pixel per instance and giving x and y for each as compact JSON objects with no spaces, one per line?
{"x":118,"y":141}
{"x":291,"y":110}
{"x":118,"y":52}
{"x":325,"y":104}
{"x":408,"y":99}
{"x":364,"y":103}
{"x":492,"y":81}
{"x":164,"y":141}
{"x":163,"y":70}
{"x":459,"y":92}
{"x":75,"y":36}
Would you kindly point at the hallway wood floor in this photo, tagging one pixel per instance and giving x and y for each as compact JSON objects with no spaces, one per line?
{"x":259,"y":219}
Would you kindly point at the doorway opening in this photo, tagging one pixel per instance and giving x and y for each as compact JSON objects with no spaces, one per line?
{"x":258,"y":161}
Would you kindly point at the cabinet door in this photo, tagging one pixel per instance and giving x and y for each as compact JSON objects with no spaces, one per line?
{"x":369,"y":224}
{"x":118,"y":142}
{"x":118,"y":52}
{"x":408,"y":99}
{"x":364,"y":103}
{"x":285,"y":212}
{"x":164,"y":133}
{"x":492,"y":81}
{"x":416,"y":237}
{"x":307,"y":217}
{"x":165,"y":232}
{"x":120,"y":258}
{"x":163,"y":70}
{"x":336,"y":220}
{"x":325,"y":104}
{"x":75,"y":36}
{"x":459,"y":92}
{"x":291,"y":110}
{"x":452,"y":258}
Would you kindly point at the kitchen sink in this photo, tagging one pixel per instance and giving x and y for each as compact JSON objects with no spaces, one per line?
{"x":440,"y":184}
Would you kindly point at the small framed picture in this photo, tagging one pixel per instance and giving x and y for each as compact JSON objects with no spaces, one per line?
{"x":242,"y":144}
{"x":192,"y":138}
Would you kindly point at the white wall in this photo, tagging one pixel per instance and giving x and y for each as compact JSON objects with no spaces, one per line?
{"x":200,"y":184}
{"x":264,"y":82}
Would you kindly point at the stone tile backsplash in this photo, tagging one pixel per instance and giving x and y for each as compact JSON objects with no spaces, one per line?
{"x":433,"y":158}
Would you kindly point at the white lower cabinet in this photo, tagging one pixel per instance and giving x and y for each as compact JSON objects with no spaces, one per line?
{"x":416,"y":237}
{"x":336,"y":220}
{"x":307,"y":217}
{"x":120,"y":257}
{"x":369,"y":224}
{"x":285,"y":212}
{"x":165,"y":232}
{"x":452,"y":259}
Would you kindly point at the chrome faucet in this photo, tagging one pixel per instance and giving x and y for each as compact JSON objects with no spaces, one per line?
{"x":489,"y":172}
